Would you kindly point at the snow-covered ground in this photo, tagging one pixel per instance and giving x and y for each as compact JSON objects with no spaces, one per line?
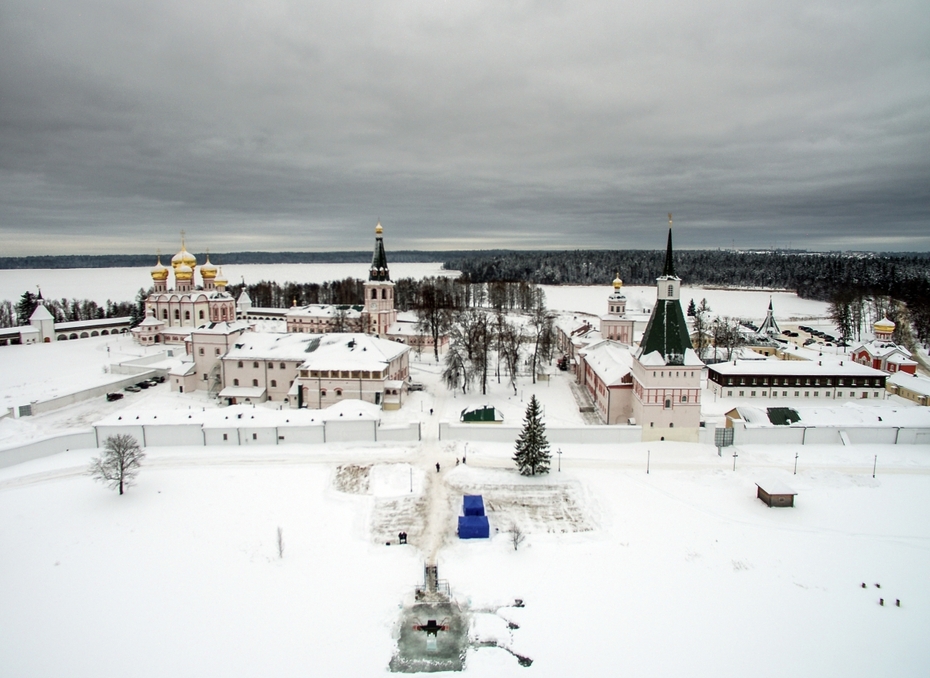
{"x":681,"y":571}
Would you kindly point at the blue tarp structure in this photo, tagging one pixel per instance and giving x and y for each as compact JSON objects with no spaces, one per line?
{"x":474,"y":527}
{"x":473,"y":505}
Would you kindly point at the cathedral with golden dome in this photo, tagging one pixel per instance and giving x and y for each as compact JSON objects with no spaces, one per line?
{"x":172,"y":312}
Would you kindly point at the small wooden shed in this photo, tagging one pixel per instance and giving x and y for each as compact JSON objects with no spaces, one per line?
{"x":775,"y":493}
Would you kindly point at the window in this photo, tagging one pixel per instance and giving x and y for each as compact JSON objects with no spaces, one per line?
{"x":374,"y":294}
{"x":807,"y":394}
{"x":164,"y":314}
{"x":668,"y":403}
{"x":187,"y":315}
{"x":671,"y":290}
{"x":255,"y":382}
{"x":235,"y":382}
{"x":240,"y":364}
{"x":752,"y":393}
{"x":255,"y":363}
{"x":270,"y":366}
{"x":742,"y":393}
{"x":254,"y":436}
{"x":338,"y":392}
{"x":217,"y":351}
{"x":784,"y":394}
{"x":323,"y":392}
{"x":201,"y":351}
{"x":201,"y":315}
{"x":177,"y":314}
{"x":281,"y":366}
{"x":684,"y":399}
{"x":852,"y":394}
{"x":839,"y":394}
{"x":274,"y":383}
{"x":225,"y":436}
{"x":384,"y":294}
{"x":729,"y":393}
{"x":797,"y":394}
{"x":204,"y":376}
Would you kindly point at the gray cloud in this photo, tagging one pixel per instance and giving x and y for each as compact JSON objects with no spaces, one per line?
{"x":286,"y":125}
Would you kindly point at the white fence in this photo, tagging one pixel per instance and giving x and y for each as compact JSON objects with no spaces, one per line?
{"x":47,"y":447}
{"x":829,"y":435}
{"x":495,"y":433}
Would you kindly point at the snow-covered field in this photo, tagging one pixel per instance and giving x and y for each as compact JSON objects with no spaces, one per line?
{"x":681,"y":571}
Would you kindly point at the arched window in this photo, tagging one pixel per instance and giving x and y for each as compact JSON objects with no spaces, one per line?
{"x":671,"y":289}
{"x":201,"y":315}
{"x":384,"y":294}
{"x":255,"y":382}
{"x":255,"y":363}
{"x":187,"y":315}
{"x":374,"y":294}
{"x":240,"y":364}
{"x":282,"y":366}
{"x":668,"y":403}
{"x":164,"y":314}
{"x":274,"y":384}
{"x":684,"y":399}
{"x":338,"y":392}
{"x":235,"y":382}
{"x":177,"y":314}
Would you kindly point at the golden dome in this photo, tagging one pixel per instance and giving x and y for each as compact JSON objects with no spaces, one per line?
{"x":183,"y":257}
{"x":884,"y":324}
{"x":378,"y":229}
{"x":183,"y":272}
{"x":221,"y":280}
{"x":208,"y":270}
{"x":617,"y":282}
{"x":160,"y":271}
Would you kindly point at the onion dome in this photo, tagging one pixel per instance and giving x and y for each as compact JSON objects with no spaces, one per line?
{"x":220,"y":280}
{"x":378,"y":229}
{"x":208,"y":270}
{"x":884,"y":325}
{"x":183,"y":257}
{"x":617,"y":283}
{"x":183,"y":272}
{"x":159,"y":272}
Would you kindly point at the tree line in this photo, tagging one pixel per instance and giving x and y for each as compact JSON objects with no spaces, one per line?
{"x":64,"y":310}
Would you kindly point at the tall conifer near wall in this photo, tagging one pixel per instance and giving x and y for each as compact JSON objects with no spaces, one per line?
{"x":533,"y":454}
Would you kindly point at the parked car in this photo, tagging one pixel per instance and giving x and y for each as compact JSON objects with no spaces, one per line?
{"x":415,"y":386}
{"x":158,"y":378}
{"x":132,"y":389}
{"x":114,"y":396}
{"x":152,"y":382}
{"x":143,"y":384}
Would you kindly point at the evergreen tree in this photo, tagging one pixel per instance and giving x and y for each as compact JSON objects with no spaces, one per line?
{"x":25,"y":307}
{"x":533,"y":454}
{"x":692,"y":309}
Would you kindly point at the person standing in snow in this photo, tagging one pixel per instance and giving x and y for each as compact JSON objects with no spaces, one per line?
{"x":437,"y":467}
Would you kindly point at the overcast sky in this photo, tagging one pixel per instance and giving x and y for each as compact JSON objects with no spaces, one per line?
{"x":463,"y":124}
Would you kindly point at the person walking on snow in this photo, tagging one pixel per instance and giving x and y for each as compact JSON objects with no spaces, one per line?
{"x":437,"y":467}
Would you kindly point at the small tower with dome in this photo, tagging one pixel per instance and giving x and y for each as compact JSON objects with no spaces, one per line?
{"x":883,"y":330}
{"x":208,"y":272}
{"x":160,"y":275}
{"x":614,"y":324}
{"x":379,"y":290}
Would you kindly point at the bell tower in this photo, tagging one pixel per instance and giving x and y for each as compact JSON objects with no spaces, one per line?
{"x":379,"y":312}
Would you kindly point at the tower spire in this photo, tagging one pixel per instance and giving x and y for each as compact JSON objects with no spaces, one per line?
{"x":379,"y":266}
{"x":669,"y":270}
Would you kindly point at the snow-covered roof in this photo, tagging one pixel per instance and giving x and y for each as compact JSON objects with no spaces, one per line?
{"x":242,"y":392}
{"x":610,"y":360}
{"x":100,"y":322}
{"x":182,"y":369}
{"x":194,"y":296}
{"x":880,"y":349}
{"x":41,"y":313}
{"x":656,"y":359}
{"x":771,"y":486}
{"x":150,"y":321}
{"x":775,"y":367}
{"x":324,"y":311}
{"x":352,"y":351}
{"x":223,"y":327}
{"x":912,"y":382}
{"x":850,"y":414}
{"x":271,"y":346}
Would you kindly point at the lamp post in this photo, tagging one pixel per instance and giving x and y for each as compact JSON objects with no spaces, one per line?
{"x":795,"y":463}
{"x":559,"y":452}
{"x":734,"y":459}
{"x":874,"y":465}
{"x":648,"y":456}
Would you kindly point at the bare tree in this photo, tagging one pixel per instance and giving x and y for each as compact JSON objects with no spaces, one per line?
{"x":517,"y":536}
{"x":702,"y":326}
{"x":120,"y":462}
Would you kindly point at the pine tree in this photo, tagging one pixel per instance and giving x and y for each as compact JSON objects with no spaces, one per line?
{"x":532,"y":455}
{"x":25,"y":307}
